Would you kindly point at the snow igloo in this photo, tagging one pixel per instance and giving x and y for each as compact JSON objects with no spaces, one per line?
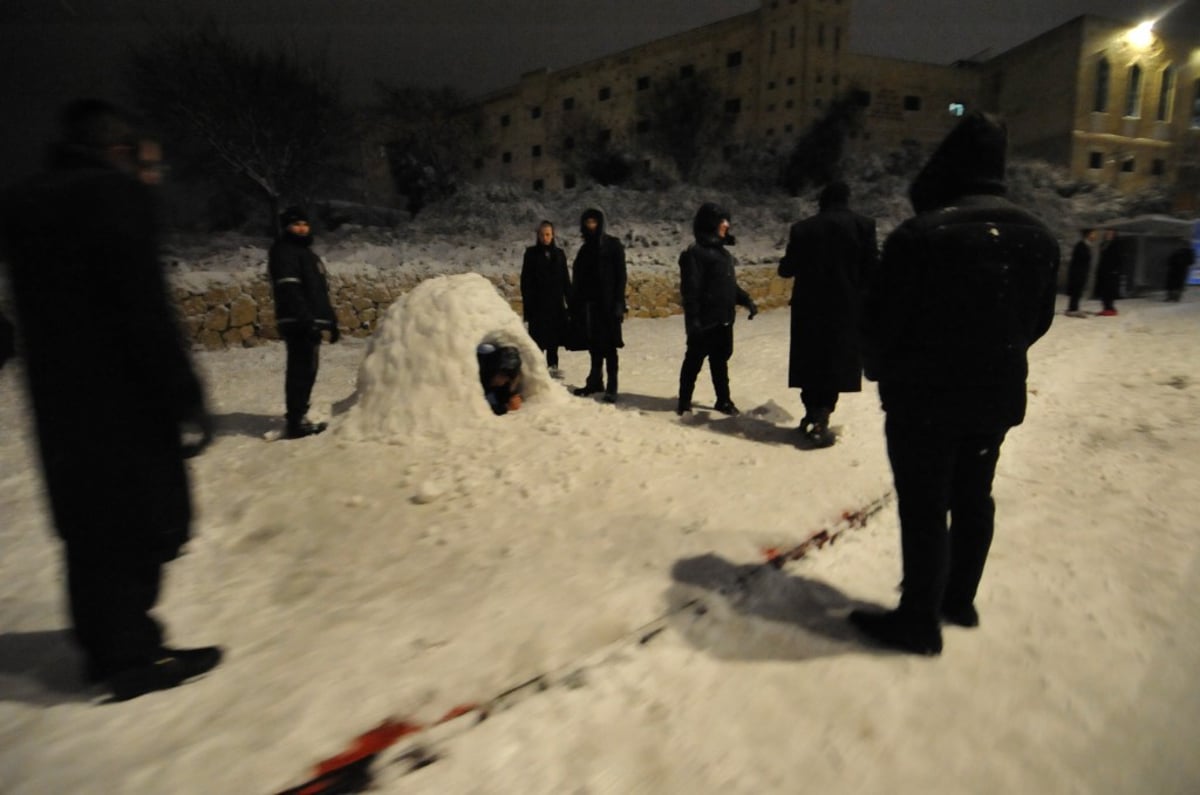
{"x":420,"y":375}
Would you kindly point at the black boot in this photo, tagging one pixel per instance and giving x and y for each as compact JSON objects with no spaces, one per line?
{"x":726,"y":407}
{"x":170,"y":669}
{"x":899,"y":630}
{"x":589,"y":387}
{"x":298,"y":429}
{"x":961,"y":615}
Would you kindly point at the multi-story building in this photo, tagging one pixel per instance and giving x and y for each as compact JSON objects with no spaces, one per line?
{"x":1087,"y":95}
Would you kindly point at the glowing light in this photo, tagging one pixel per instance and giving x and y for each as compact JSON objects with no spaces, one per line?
{"x":1143,"y":35}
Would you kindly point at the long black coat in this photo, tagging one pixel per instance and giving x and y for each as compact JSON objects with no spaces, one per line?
{"x":108,"y":374}
{"x":300,"y":287}
{"x":598,"y":293}
{"x":545,"y":285}
{"x":1079,"y":268}
{"x":963,"y":289}
{"x":829,"y":255}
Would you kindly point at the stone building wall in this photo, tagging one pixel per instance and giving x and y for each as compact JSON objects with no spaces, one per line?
{"x":237,"y":310}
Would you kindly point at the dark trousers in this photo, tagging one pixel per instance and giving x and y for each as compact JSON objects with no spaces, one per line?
{"x":940,"y":470}
{"x":302,"y":358}
{"x":551,"y":356}
{"x":111,"y":592}
{"x":715,"y":344}
{"x":609,"y":359}
{"x":1108,"y":287}
{"x":819,"y":402}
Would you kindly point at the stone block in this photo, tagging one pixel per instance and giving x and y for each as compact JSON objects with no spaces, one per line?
{"x":243,"y":311}
{"x":217,"y":318}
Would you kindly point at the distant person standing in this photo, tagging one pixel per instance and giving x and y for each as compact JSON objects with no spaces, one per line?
{"x":116,"y":402}
{"x":1108,"y":275}
{"x":545,"y":284}
{"x":1178,"y":264}
{"x":964,"y":288}
{"x":829,"y":255}
{"x":1079,"y":270}
{"x":302,"y":312}
{"x":710,"y":293}
{"x":598,"y":302}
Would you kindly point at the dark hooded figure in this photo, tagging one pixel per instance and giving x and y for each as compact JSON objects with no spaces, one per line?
{"x":114,"y":394}
{"x":545,"y":284}
{"x":302,"y":312}
{"x":710,"y":293}
{"x":829,"y":255}
{"x":1108,"y":275}
{"x":963,"y":289}
{"x":1079,"y":269}
{"x":1178,"y":264}
{"x":598,"y":302}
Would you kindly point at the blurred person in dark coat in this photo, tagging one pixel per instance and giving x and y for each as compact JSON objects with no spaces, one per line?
{"x":598,"y":302}
{"x":1178,"y":264}
{"x":710,"y":293}
{"x":963,"y":289}
{"x":117,"y":404}
{"x":1108,"y":275}
{"x":1079,"y":269}
{"x":829,"y":255}
{"x":303,"y":312}
{"x":545,"y":284}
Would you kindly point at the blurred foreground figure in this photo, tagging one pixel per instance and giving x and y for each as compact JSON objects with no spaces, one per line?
{"x":302,"y":312}
{"x":117,"y":404}
{"x":963,"y":289}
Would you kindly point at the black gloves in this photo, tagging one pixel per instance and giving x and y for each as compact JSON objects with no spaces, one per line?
{"x":335,"y":334}
{"x":753,"y":310}
{"x":196,"y":432}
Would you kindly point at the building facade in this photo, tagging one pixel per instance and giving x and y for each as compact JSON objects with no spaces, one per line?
{"x":1086,"y":95}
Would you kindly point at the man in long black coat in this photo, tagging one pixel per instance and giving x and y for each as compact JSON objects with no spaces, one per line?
{"x":545,"y":284}
{"x":113,"y":393}
{"x":302,"y":312}
{"x":598,"y":302}
{"x":710,"y":293}
{"x":1178,"y":264}
{"x":963,"y":289}
{"x":1079,"y":269}
{"x":829,"y":255}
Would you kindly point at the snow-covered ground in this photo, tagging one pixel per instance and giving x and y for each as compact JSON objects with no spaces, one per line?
{"x":384,"y":570}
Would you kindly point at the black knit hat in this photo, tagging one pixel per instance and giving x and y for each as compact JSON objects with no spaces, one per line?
{"x":291,"y":215}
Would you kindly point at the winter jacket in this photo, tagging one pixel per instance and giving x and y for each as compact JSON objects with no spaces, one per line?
{"x":707,"y":282}
{"x":829,"y":255}
{"x":963,"y":289}
{"x":598,"y":292}
{"x":109,"y":376}
{"x":300,"y":287}
{"x":545,"y":285}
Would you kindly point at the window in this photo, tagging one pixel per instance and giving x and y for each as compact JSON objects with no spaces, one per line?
{"x":791,"y":81}
{"x":836,"y":78}
{"x":1127,"y":165}
{"x":535,"y":112}
{"x":771,"y":86}
{"x":536,"y":150}
{"x":792,"y":37}
{"x":568,"y":143}
{"x":912,"y":102}
{"x":788,"y":104}
{"x":957,"y":109}
{"x":728,"y":151}
{"x":605,"y":135}
{"x":1100,"y":100}
{"x":604,"y":94}
{"x":643,"y":82}
{"x":733,"y":59}
{"x":1095,"y":160}
{"x":770,"y":108}
{"x":733,"y":106}
{"x":568,"y":103}
{"x":1165,"y":92}
{"x":1133,"y":92}
{"x":478,"y":163}
{"x":837,"y":39}
{"x":643,"y":126}
{"x":506,"y":157}
{"x":538,"y":184}
{"x":568,"y":181}
{"x":860,"y":97}
{"x":820,"y":77}
{"x":772,"y":49}
{"x":1158,"y":167}
{"x":687,"y":71}
{"x":787,"y":128}
{"x":770,"y":131}
{"x":505,"y":120}
{"x":820,"y":34}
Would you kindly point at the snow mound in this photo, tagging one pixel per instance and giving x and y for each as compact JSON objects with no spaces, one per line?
{"x":420,"y":375}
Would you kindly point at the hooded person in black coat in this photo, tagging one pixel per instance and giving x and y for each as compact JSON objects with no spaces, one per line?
{"x":709,"y":290}
{"x":1079,"y":269}
{"x":545,"y":284}
{"x":598,"y":302}
{"x":302,"y":312}
{"x":116,"y":402}
{"x":829,"y":255}
{"x":963,"y":289}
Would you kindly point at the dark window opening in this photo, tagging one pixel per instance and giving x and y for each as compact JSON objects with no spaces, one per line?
{"x":791,"y":81}
{"x":837,"y":39}
{"x":1095,"y":160}
{"x":1133,"y":93}
{"x":643,"y":83}
{"x":821,"y":34}
{"x":733,"y":106}
{"x":728,"y":151}
{"x":568,"y":181}
{"x":771,"y":86}
{"x":733,"y":59}
{"x":643,"y":126}
{"x":538,"y":184}
{"x":505,"y":120}
{"x":604,"y":94}
{"x":568,"y":103}
{"x":535,"y":112}
{"x":506,"y":157}
{"x":1158,"y":167}
{"x":478,"y":163}
{"x":1127,"y":165}
{"x":1100,"y":98}
{"x":792,"y":37}
{"x":605,"y":135}
{"x":1165,"y":92}
{"x":912,"y":103}
{"x":536,"y":151}
{"x":687,"y":71}
{"x":860,"y":97}
{"x":568,"y":143}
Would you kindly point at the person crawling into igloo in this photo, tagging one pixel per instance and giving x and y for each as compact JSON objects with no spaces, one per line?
{"x":500,"y":374}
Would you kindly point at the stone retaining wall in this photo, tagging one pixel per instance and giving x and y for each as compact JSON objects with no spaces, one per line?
{"x":238,"y":311}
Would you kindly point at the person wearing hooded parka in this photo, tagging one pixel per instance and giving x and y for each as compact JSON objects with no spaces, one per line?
{"x":710,"y":293}
{"x":962,"y":290}
{"x":545,"y":284}
{"x":598,"y":302}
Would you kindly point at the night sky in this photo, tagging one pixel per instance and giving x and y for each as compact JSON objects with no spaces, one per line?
{"x":54,"y":50}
